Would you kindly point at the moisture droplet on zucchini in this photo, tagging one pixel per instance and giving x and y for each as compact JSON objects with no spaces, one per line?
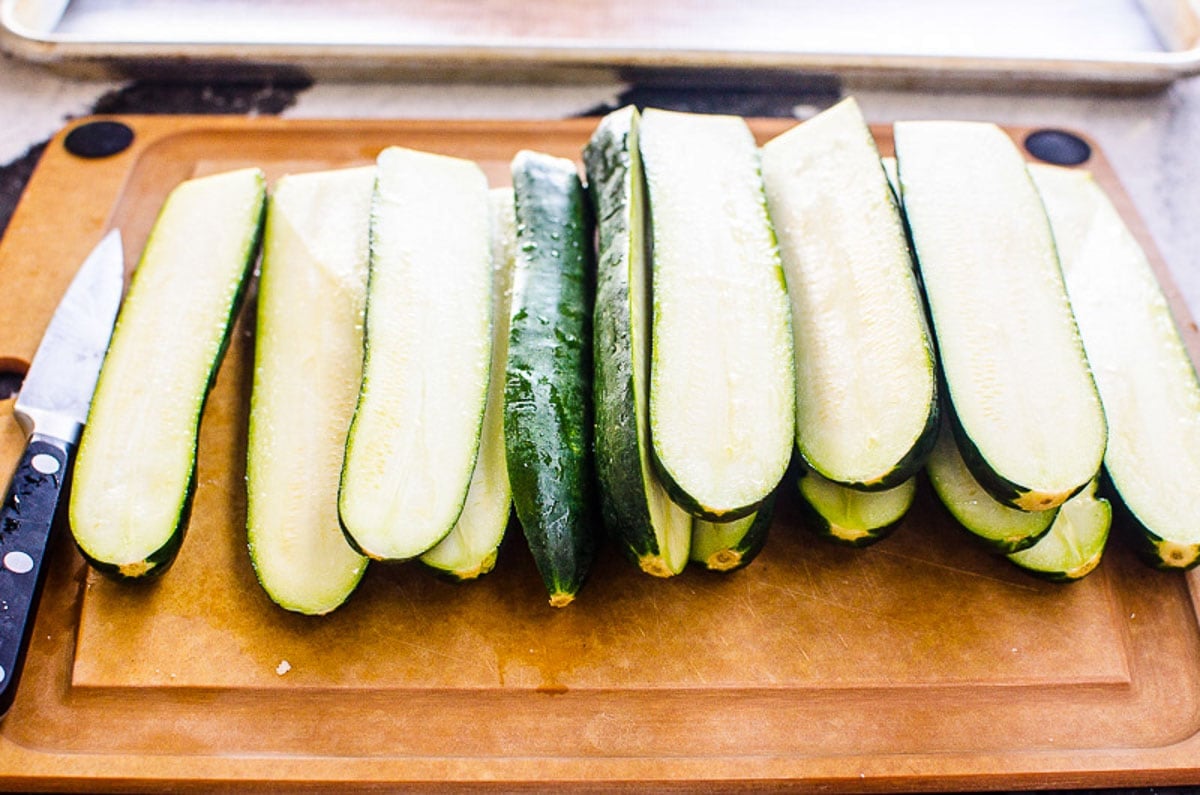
{"x":1075,"y":543}
{"x":722,"y":375}
{"x":308,"y":365}
{"x":866,"y":394}
{"x":1029,"y":422}
{"x":851,"y":516}
{"x":470,"y":549}
{"x":1146,"y":379}
{"x":548,"y":389}
{"x":728,"y":546}
{"x":654,"y":531}
{"x":415,"y":434}
{"x":136,"y":472}
{"x":1001,"y":528}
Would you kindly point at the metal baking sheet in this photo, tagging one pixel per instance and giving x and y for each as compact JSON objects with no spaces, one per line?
{"x":1144,"y":43}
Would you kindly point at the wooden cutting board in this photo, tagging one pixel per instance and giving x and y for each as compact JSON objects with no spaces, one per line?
{"x":922,"y":662}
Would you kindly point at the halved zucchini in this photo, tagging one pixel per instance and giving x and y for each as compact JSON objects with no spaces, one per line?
{"x":866,"y":385}
{"x":1001,"y":528}
{"x":1028,"y":417}
{"x":1146,"y":379}
{"x":312,"y":291}
{"x":136,"y":472}
{"x":654,"y":531}
{"x":415,"y":434}
{"x":728,"y":546}
{"x":470,"y":548}
{"x":1076,"y":540}
{"x":722,"y":375}
{"x":851,"y":516}
{"x":548,"y":389}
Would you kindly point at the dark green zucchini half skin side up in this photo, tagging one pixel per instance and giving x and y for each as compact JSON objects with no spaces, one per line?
{"x":548,"y":383}
{"x":636,"y":508}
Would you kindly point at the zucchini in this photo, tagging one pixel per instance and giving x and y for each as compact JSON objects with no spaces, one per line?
{"x":1028,"y":417}
{"x":135,"y":475}
{"x":471,"y":547}
{"x":415,"y":434}
{"x":312,"y":286}
{"x":851,"y":516}
{"x":653,"y":530}
{"x":728,"y":546}
{"x":1001,"y":528}
{"x":722,"y":375}
{"x":1076,"y":540}
{"x":547,"y":393}
{"x":866,"y":385}
{"x":1147,"y":383}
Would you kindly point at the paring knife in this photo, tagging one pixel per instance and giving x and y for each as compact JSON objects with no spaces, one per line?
{"x":51,"y":408}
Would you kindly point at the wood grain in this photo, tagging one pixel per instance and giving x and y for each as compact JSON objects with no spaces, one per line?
{"x":920,"y":663}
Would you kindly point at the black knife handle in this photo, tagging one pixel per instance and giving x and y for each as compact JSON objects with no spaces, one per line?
{"x":25,"y":521}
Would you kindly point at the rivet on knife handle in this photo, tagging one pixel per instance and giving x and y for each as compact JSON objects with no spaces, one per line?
{"x":25,"y":521}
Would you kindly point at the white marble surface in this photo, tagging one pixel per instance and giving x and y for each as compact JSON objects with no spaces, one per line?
{"x":1152,"y":141}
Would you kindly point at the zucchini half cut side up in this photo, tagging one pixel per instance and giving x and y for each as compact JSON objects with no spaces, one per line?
{"x":1075,"y":542}
{"x":1147,"y":382}
{"x":470,"y":549}
{"x":1000,"y":528}
{"x":415,"y":435}
{"x":722,"y":372}
{"x":652,"y":529}
{"x":548,"y":385}
{"x":312,"y":292}
{"x":866,"y":380}
{"x":1028,"y":416}
{"x":728,"y":546}
{"x":853,"y":517}
{"x":136,"y":471}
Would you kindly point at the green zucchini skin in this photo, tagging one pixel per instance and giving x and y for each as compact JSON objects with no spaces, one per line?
{"x":120,"y":425}
{"x":654,"y":532}
{"x":998,"y":527}
{"x":1074,"y":544}
{"x":849,"y":516}
{"x":729,"y":546}
{"x":548,"y":389}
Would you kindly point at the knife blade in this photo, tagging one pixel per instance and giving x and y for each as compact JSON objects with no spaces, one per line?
{"x":51,"y":408}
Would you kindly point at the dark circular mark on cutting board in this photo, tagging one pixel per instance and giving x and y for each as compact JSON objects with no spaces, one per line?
{"x":98,"y":139}
{"x":1059,"y":147}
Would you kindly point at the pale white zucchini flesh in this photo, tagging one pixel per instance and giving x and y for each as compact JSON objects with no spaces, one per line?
{"x":865,"y":375}
{"x":470,"y":549}
{"x":308,"y":365}
{"x":1032,"y":429}
{"x":415,"y":434}
{"x":134,"y":477}
{"x":1145,"y":376}
{"x":722,"y":383}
